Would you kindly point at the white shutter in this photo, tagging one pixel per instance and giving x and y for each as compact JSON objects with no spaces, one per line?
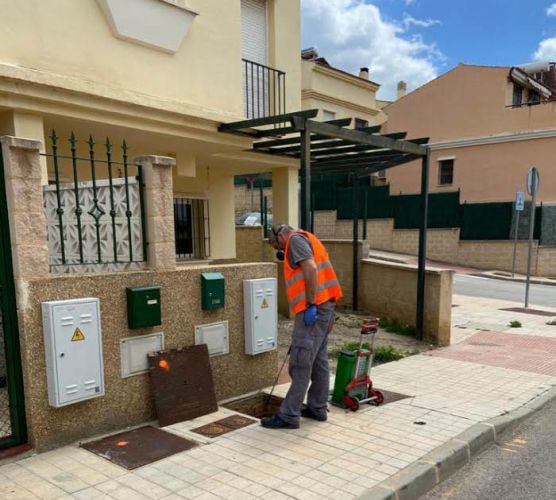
{"x":254,"y":49}
{"x":254,"y":30}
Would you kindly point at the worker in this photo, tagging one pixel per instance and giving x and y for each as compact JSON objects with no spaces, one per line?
{"x":312,"y":290}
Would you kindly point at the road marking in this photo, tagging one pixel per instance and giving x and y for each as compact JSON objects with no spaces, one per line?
{"x":519,"y":441}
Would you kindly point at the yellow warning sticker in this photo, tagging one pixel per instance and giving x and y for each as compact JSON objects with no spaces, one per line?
{"x":77,"y":335}
{"x":264,"y":305}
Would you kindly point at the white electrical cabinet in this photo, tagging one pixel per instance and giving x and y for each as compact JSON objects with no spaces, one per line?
{"x":73,"y":345}
{"x":261,"y":315}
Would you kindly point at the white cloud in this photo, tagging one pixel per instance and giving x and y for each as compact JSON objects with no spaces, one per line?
{"x":410,"y":2}
{"x":409,"y":21}
{"x":546,"y":50}
{"x":551,"y":11}
{"x":351,"y":34}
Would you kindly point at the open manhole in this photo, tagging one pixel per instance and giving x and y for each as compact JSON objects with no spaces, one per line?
{"x":257,"y":406}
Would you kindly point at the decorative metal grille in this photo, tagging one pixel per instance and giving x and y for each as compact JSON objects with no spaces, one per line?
{"x":191,"y":227}
{"x":84,"y":243}
{"x":94,"y":224}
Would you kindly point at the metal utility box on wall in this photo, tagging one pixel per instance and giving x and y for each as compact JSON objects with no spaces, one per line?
{"x":143,"y":307}
{"x":73,"y":345}
{"x":261,"y":315}
{"x":212,"y":290}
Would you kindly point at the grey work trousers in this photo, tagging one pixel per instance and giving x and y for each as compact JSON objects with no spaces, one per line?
{"x":309,"y":365}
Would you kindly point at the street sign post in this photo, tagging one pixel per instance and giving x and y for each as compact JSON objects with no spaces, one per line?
{"x":533,"y":182}
{"x":519,"y":207}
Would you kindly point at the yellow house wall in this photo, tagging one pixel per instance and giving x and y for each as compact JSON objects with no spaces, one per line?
{"x":206,"y":72}
{"x":326,"y":89}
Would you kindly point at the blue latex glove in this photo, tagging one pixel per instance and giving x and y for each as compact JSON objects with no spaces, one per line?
{"x":310,"y":316}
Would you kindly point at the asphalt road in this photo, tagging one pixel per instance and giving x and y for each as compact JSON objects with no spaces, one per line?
{"x":520,"y":467}
{"x":478,"y":286}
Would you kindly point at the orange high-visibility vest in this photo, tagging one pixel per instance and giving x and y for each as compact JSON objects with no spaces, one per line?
{"x":328,"y":286}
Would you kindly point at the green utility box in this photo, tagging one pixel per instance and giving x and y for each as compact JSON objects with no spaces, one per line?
{"x":143,"y":307}
{"x":212,"y":290}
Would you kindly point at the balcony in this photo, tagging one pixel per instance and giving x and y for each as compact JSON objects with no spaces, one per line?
{"x":264,"y":90}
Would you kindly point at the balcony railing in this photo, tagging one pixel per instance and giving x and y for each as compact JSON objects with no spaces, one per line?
{"x":264,"y":90}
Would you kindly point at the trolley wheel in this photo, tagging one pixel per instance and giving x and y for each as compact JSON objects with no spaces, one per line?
{"x":351,"y":403}
{"x":379,"y":397}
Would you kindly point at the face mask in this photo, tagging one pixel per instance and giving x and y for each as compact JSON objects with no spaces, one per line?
{"x":280,"y":255}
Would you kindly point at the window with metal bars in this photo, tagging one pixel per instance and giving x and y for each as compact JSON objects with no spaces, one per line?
{"x":191,"y":227}
{"x":446,"y":172}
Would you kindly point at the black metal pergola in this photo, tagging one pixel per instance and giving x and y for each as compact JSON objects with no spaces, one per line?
{"x":327,"y":148}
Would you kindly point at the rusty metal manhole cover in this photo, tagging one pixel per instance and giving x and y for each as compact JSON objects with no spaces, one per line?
{"x":228,"y":424}
{"x":138,"y":447}
{"x":182,"y":384}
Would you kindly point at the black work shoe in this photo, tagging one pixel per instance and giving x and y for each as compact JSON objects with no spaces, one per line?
{"x":308,"y":413}
{"x":276,"y":422}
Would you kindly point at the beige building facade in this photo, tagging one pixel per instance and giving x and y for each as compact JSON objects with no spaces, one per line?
{"x":161,"y":75}
{"x":483,"y":141}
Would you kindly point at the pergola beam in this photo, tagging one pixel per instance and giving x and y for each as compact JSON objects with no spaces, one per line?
{"x":358,"y":137}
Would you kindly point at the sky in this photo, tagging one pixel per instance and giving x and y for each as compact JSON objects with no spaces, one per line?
{"x":417,"y":40}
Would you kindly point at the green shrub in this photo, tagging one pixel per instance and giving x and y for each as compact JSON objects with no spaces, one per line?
{"x":515,"y":324}
{"x":382,"y":354}
{"x":394,"y":326}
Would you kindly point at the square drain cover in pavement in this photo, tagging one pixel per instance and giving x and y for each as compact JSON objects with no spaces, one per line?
{"x":138,"y":447}
{"x":223,"y":426}
{"x":391,"y":397}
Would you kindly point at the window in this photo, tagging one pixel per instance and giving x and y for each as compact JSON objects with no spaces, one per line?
{"x":359,"y":123}
{"x":446,"y":172}
{"x":191,"y":227}
{"x":328,"y":115}
{"x":534,"y":97}
{"x":517,"y":98}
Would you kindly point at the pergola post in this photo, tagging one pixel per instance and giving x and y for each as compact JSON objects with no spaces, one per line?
{"x":422,"y":245}
{"x":305,"y":166}
{"x":355,"y":244}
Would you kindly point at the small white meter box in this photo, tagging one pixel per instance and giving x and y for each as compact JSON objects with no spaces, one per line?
{"x":261,"y":315}
{"x":73,"y":345}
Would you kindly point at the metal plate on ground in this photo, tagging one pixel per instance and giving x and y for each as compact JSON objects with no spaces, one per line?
{"x":224,"y":426}
{"x":183,"y":384}
{"x":391,"y":397}
{"x":138,"y":447}
{"x":538,"y":312}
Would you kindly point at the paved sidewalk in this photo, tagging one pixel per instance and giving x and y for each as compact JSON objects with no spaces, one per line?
{"x":341,"y":458}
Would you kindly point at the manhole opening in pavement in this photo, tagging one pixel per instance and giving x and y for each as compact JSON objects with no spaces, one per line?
{"x":223,"y":426}
{"x":522,"y":310}
{"x":257,"y":406}
{"x":391,"y":397}
{"x":142,"y":446}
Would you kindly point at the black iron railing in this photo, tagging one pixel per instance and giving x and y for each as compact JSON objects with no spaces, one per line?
{"x":264,"y":90}
{"x":191,"y":228}
{"x":93,"y":206}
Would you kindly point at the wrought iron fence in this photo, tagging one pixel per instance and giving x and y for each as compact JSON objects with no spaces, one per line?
{"x":264,"y":90}
{"x":94,"y":209}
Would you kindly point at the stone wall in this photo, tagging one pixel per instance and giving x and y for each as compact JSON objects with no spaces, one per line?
{"x":242,"y":199}
{"x":129,"y":401}
{"x":341,"y":256}
{"x":390,"y":290}
{"x":443,"y":245}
